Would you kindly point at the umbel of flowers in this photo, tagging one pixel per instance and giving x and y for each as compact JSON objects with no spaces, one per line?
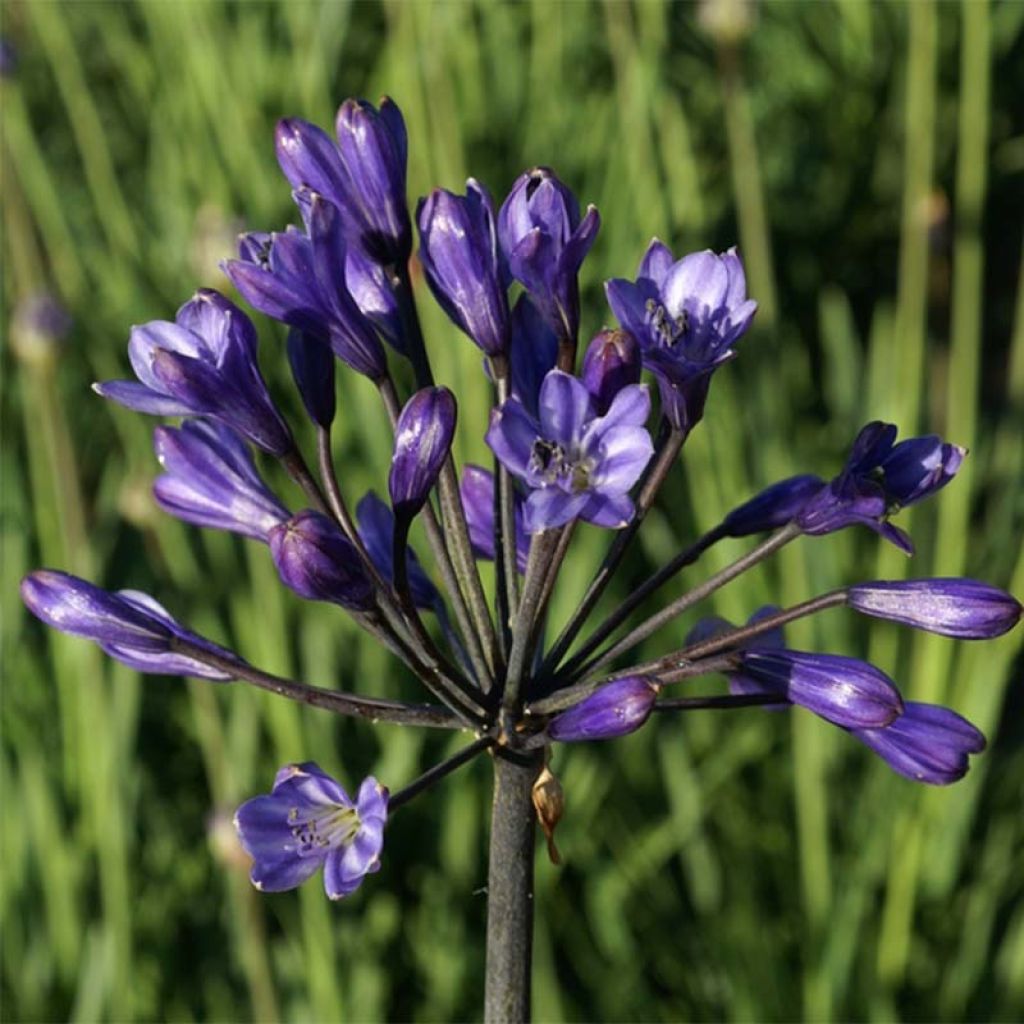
{"x":575,"y":437}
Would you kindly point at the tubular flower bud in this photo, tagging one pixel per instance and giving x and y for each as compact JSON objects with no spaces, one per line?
{"x":203,"y":364}
{"x":210,"y":480}
{"x":880,"y":478}
{"x":963,"y":608}
{"x":773,"y":507}
{"x":462,"y":263}
{"x":308,"y":821}
{"x":686,"y":315}
{"x":127,"y":625}
{"x":423,"y":439}
{"x":545,"y":242}
{"x":617,"y":709}
{"x":319,"y":563}
{"x":611,"y":362}
{"x":312,"y":365}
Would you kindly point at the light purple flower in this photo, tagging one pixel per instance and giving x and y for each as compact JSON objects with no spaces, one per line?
{"x":308,"y":821}
{"x":618,"y":708}
{"x":687,"y":315}
{"x":204,"y":364}
{"x":127,"y":625}
{"x":576,"y":463}
{"x":210,"y":480}
{"x":477,"y":490}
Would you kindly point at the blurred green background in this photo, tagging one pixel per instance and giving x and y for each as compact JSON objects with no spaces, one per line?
{"x":869,"y":160}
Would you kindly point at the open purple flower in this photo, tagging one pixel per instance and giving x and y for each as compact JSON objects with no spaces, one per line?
{"x":308,"y":821}
{"x":927,"y":743}
{"x":300,"y":279}
{"x":687,"y":315}
{"x":127,"y":625}
{"x":210,"y":480}
{"x":477,"y":490}
{"x":545,"y":242}
{"x":879,"y":479}
{"x":462,"y":263}
{"x":204,"y":364}
{"x":364,"y":175}
{"x":576,"y":463}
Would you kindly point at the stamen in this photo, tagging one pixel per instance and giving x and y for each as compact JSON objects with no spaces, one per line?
{"x":669,"y":330}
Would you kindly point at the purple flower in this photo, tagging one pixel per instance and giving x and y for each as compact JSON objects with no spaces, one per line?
{"x":963,"y":608}
{"x":204,"y":364}
{"x":364,"y":175}
{"x":880,"y":478}
{"x":533,"y":350}
{"x":611,"y":362}
{"x":545,"y":243}
{"x":38,"y":327}
{"x":477,"y":490}
{"x":300,"y":279}
{"x":423,"y":439}
{"x":312,"y":365}
{"x":376,"y":529}
{"x":687,"y":315}
{"x":460,"y":257}
{"x":210,"y":480}
{"x":127,"y":625}
{"x":576,"y":463}
{"x":773,"y":507}
{"x":315,"y":559}
{"x":927,"y":743}
{"x":308,"y":821}
{"x":842,"y":690}
{"x":616,"y":709}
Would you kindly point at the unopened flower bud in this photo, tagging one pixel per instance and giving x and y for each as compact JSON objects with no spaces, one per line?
{"x":423,"y":438}
{"x":612,"y":361}
{"x":312,"y":364}
{"x":773,"y":507}
{"x":617,"y":709}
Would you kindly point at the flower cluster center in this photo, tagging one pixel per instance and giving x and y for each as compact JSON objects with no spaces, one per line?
{"x":669,"y":330}
{"x":334,"y":827}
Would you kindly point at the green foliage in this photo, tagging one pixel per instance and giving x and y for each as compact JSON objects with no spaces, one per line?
{"x":749,"y":867}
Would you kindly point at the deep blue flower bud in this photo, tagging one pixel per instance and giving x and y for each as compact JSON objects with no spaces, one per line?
{"x":533,"y":351}
{"x":686,"y":315}
{"x":963,"y":608}
{"x":308,"y":821}
{"x":462,"y":264}
{"x":312,"y":364}
{"x":300,"y":279}
{"x":210,"y":480}
{"x":364,"y":175}
{"x":545,"y":243}
{"x":773,"y":507}
{"x":879,"y":479}
{"x":423,"y":439}
{"x":927,"y":743}
{"x":127,"y":625}
{"x":377,"y":530}
{"x":477,"y":490}
{"x":618,"y":708}
{"x":611,"y":362}
{"x":842,"y":690}
{"x":204,"y":364}
{"x":315,"y":559}
{"x":576,"y":463}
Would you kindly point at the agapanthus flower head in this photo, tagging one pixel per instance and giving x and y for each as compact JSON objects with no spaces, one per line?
{"x":686,"y":315}
{"x":203,"y":364}
{"x":128,"y":625}
{"x":477,"y":491}
{"x":967,"y":609}
{"x":576,"y":463}
{"x":364,"y":175}
{"x":308,"y":821}
{"x":533,"y":350}
{"x":377,"y":529}
{"x":299,"y":278}
{"x":423,"y":439}
{"x":775,"y":506}
{"x":545,"y":242}
{"x":879,"y":479}
{"x":462,"y":263}
{"x":315,"y":559}
{"x":210,"y":480}
{"x":612,"y":361}
{"x":312,"y":366}
{"x":842,"y":690}
{"x":927,"y":743}
{"x":616,"y":709}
